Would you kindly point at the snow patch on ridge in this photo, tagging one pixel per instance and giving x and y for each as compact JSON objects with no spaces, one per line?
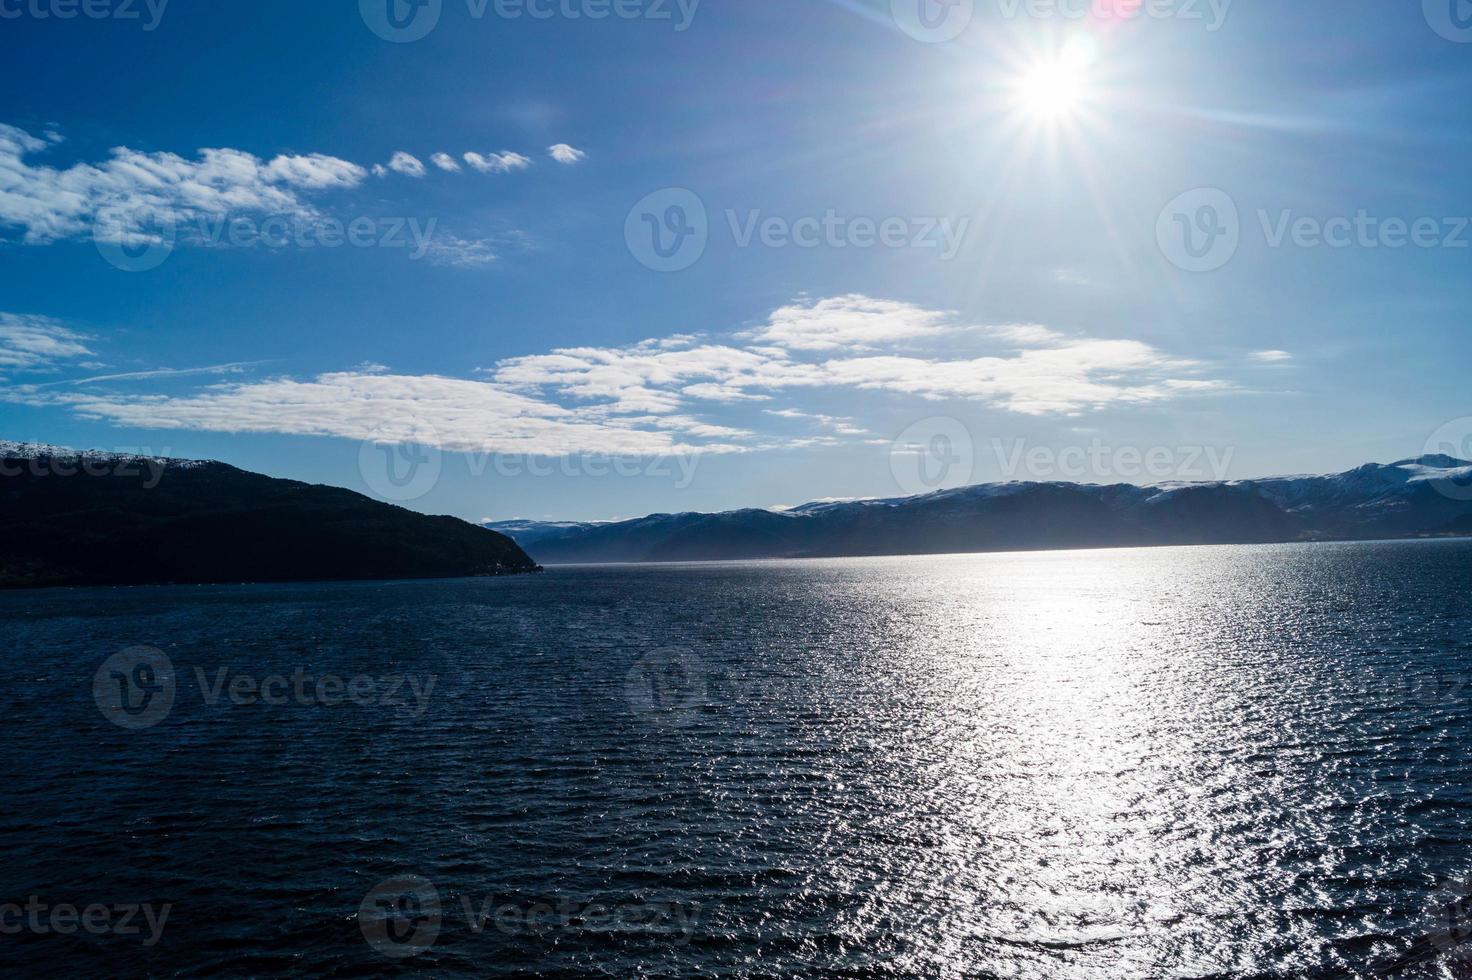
{"x":41,"y":450}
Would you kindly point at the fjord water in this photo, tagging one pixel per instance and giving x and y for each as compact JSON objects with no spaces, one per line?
{"x":1185,"y":762}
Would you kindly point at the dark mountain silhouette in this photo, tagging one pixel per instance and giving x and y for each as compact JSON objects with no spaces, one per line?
{"x":1427,"y":496}
{"x":100,"y":519}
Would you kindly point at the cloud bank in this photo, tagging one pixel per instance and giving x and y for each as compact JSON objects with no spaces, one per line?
{"x":133,"y":193}
{"x":36,"y":343}
{"x":654,"y":397}
{"x":116,"y":196}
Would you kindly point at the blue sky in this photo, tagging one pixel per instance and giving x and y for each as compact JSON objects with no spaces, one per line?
{"x":887,"y":239}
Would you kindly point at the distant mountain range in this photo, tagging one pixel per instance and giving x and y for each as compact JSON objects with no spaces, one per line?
{"x":1427,"y":496}
{"x":69,"y":518}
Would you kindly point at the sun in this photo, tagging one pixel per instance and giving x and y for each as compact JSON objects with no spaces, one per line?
{"x":1055,"y":88}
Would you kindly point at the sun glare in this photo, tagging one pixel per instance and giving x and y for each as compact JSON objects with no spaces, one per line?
{"x":1056,"y":88}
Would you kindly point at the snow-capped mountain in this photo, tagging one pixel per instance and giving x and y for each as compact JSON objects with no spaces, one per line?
{"x":41,"y":450}
{"x":1424,"y":496}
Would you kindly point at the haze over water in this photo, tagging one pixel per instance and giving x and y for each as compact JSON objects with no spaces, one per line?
{"x":1208,"y":762}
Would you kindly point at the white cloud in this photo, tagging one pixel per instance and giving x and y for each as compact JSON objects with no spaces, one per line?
{"x":406,"y":164}
{"x":644,"y":399}
{"x":643,"y":378}
{"x":712,"y":392}
{"x":852,"y":321}
{"x":1272,"y":356}
{"x":115,"y":196}
{"x":316,"y":172}
{"x":1081,"y":375}
{"x":453,"y":414}
{"x":460,"y":253}
{"x":841,"y":425}
{"x":33,"y":343}
{"x":1026,"y":334}
{"x":1040,"y":372}
{"x":162,"y":197}
{"x":497,"y":163}
{"x":565,"y":154}
{"x":862,"y":323}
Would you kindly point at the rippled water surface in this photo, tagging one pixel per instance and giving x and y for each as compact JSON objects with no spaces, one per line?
{"x":1212,"y":762}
